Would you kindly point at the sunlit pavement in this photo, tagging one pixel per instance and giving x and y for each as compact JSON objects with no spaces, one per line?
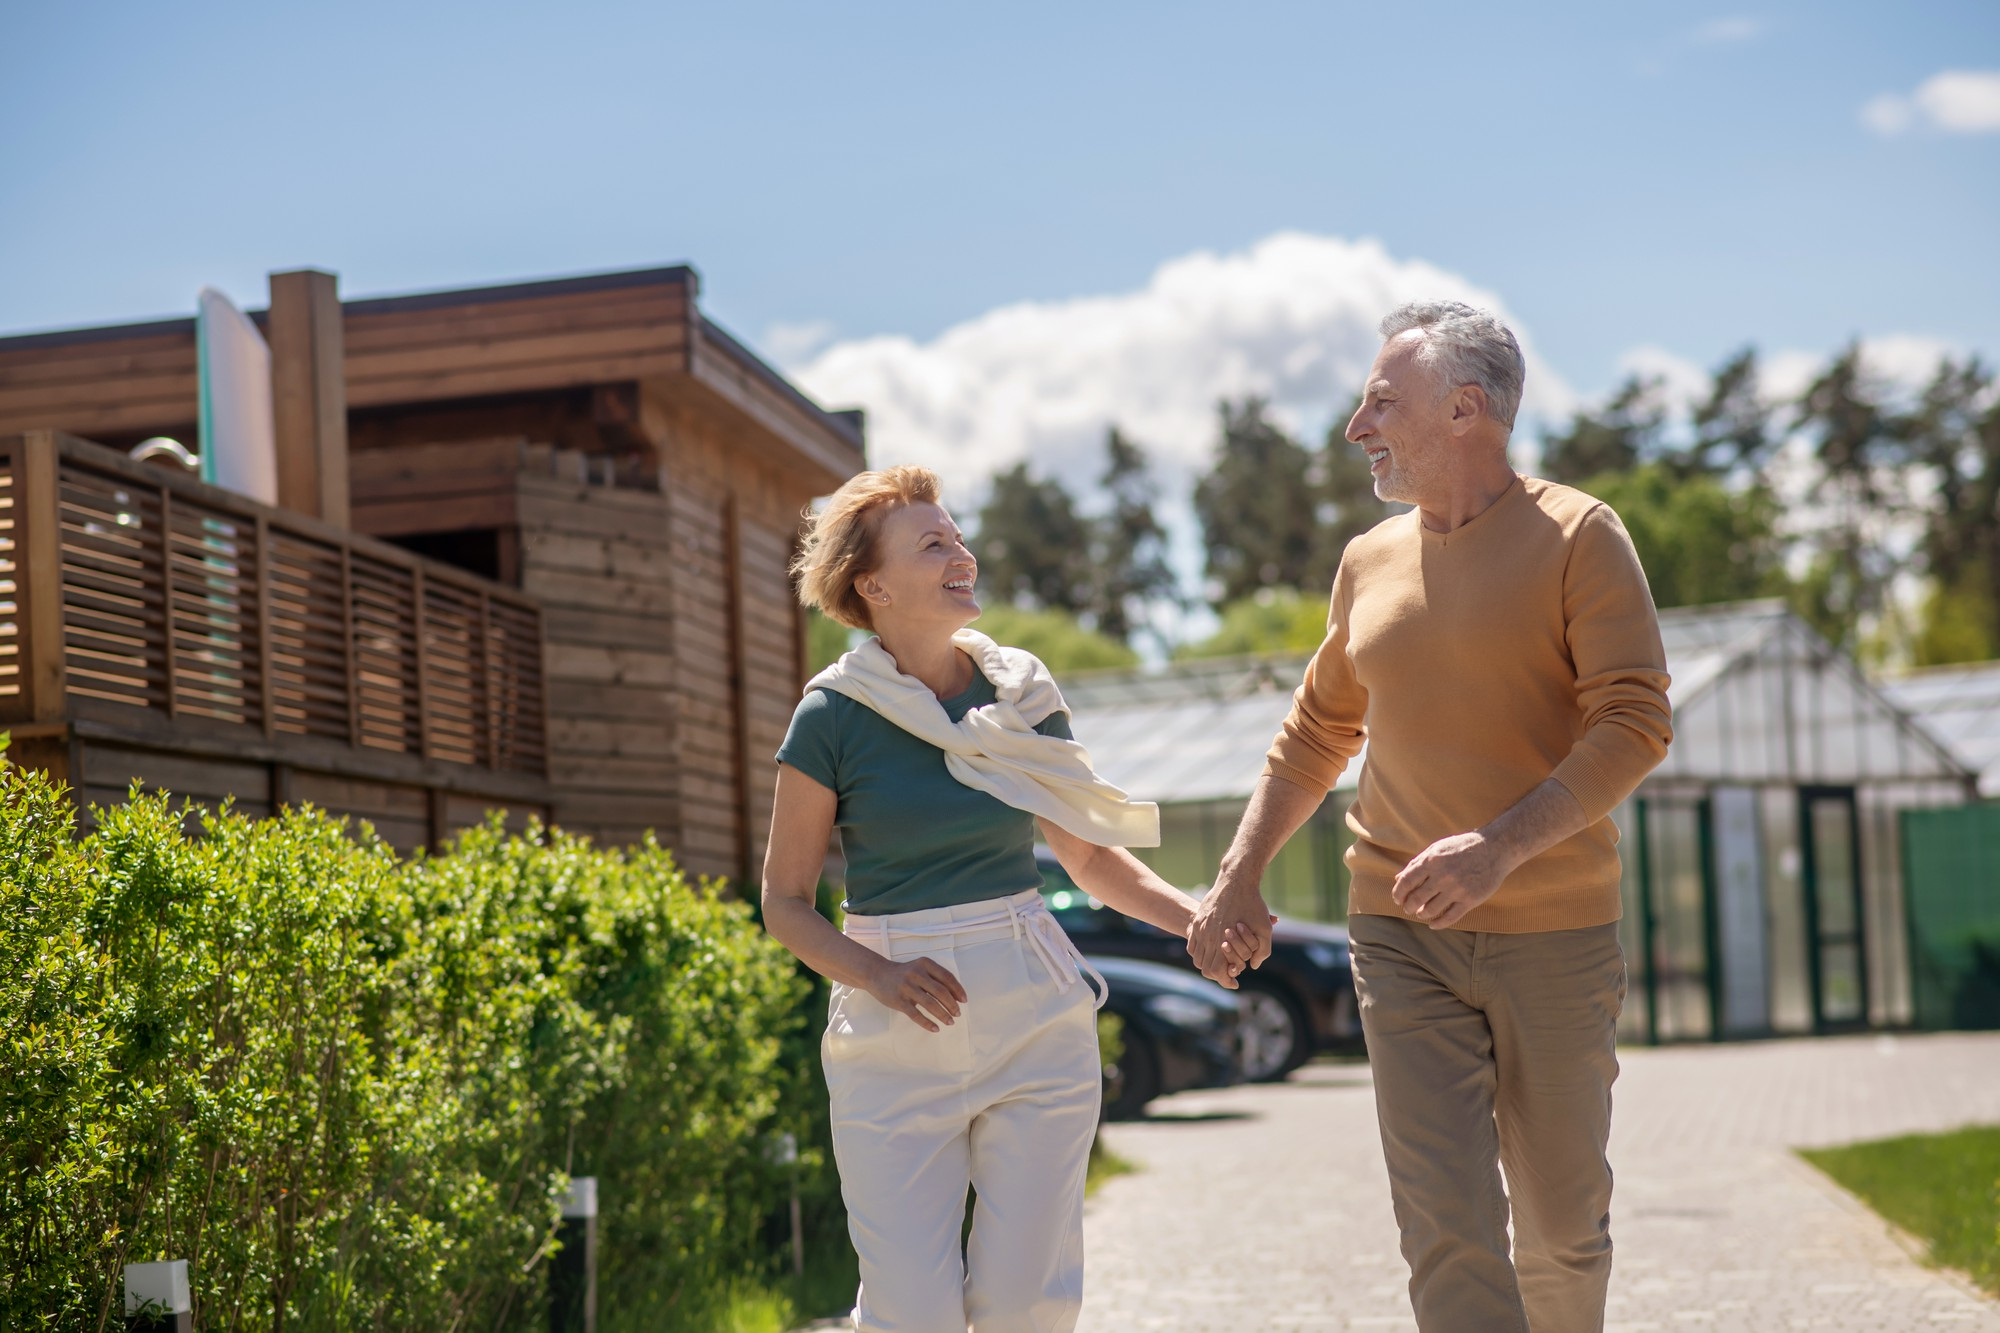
{"x":1268,"y":1208}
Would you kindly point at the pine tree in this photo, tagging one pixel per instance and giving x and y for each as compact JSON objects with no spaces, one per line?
{"x":1732,"y":425}
{"x":1129,"y":550}
{"x":1256,"y":505}
{"x":1955,"y":431}
{"x":1612,"y":439}
{"x":1033,"y":545}
{"x":1858,"y":445}
{"x":1346,"y":504}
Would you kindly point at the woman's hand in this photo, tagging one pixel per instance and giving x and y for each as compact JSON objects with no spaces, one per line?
{"x":917,"y":986}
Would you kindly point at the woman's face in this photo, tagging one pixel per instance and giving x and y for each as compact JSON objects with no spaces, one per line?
{"x":923,"y":573}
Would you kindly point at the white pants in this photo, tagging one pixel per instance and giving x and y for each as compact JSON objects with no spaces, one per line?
{"x":1005,"y":1099}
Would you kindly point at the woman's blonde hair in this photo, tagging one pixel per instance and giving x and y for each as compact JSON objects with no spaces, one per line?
{"x":838,"y":543}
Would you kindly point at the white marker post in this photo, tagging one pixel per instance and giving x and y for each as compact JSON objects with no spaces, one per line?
{"x":573,"y":1273}
{"x":156,"y":1298}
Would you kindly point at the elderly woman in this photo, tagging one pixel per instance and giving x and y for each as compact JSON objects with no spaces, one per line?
{"x":961,"y":1041}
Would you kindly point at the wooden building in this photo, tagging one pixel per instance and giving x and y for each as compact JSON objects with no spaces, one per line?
{"x":530,"y":552}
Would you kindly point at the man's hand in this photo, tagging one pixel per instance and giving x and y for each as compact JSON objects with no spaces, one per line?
{"x":1232,"y":914}
{"x":1449,"y":878}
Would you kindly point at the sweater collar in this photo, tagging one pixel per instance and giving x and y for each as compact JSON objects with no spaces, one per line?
{"x":1478,"y":522}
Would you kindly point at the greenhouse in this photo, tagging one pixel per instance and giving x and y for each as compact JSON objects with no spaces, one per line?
{"x":1763,"y":859}
{"x":1961,"y":706}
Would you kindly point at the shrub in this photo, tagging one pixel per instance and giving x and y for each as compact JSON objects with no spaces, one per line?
{"x":347,"y":1088}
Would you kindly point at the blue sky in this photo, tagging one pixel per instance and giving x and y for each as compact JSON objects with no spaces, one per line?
{"x":1638,"y":175}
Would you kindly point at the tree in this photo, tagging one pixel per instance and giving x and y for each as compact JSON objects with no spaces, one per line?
{"x":826,"y":640}
{"x":1129,"y":551}
{"x":1698,"y":541}
{"x":1955,"y":432}
{"x":1256,"y":505}
{"x":1270,"y":620}
{"x":1057,"y":637}
{"x":1732,"y":426}
{"x":1858,"y":446}
{"x":1614,"y":438}
{"x":1346,"y":504}
{"x":1034,"y":547}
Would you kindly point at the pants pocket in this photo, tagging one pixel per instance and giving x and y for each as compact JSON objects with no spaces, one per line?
{"x":859,"y":1027}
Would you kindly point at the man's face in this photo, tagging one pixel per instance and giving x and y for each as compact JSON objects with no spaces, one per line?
{"x":1404,"y":423}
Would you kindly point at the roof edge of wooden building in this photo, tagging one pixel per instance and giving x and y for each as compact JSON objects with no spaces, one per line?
{"x":460,"y":344}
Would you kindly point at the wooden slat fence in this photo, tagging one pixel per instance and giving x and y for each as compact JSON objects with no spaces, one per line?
{"x":182,"y":599}
{"x":12,"y":631}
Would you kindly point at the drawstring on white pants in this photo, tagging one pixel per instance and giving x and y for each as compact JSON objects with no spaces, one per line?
{"x":1025,"y":913}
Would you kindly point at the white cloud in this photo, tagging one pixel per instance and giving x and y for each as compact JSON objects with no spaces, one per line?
{"x":1681,"y":379}
{"x":1967,"y":101}
{"x":1888,"y":114}
{"x":1957,"y":101}
{"x":1901,"y":363}
{"x":1730,"y":31}
{"x":1292,"y":318}
{"x":790,"y":345}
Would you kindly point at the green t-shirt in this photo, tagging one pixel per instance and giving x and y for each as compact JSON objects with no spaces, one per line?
{"x":915,"y":837}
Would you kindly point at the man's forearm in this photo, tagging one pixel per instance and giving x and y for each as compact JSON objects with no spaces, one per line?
{"x":1538,"y":821}
{"x":1277,"y":810}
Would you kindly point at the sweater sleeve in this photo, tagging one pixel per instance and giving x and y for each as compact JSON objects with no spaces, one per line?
{"x":1324,"y":730}
{"x":1621,"y":667}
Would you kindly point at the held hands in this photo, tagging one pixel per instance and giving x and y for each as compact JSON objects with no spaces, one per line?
{"x":1231,"y":930}
{"x":1449,"y":878}
{"x":921,"y":989}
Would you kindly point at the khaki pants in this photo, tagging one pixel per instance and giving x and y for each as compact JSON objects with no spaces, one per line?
{"x":1494,"y":1051}
{"x":1005,"y":1100}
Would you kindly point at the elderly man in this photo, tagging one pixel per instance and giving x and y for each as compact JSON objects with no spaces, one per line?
{"x":1498,"y":647}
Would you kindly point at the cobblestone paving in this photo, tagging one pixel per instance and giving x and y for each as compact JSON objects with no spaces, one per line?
{"x":1268,"y":1207}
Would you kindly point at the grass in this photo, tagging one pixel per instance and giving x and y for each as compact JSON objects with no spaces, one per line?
{"x":1942,"y":1188}
{"x":830,"y":1277}
{"x":1104,"y":1165}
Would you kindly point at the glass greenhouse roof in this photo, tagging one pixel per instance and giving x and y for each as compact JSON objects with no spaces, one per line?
{"x":1960,"y":705}
{"x":1757,"y":696}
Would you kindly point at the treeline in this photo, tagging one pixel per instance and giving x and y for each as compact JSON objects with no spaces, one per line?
{"x":1873,"y":510}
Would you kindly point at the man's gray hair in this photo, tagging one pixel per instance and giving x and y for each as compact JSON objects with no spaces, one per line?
{"x":1466,"y":346}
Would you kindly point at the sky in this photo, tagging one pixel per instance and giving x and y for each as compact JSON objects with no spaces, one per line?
{"x":1001,"y":228}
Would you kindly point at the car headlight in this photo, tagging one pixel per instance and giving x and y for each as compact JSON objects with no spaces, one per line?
{"x":1326,"y":956}
{"x":1184,"y":1011}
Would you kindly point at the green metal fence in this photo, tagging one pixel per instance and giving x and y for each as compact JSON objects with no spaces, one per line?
{"x":1951,"y":865}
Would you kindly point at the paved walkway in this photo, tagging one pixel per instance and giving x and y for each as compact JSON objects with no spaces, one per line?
{"x":1268,"y":1208}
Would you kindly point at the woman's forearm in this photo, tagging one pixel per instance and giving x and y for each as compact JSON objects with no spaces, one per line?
{"x":797,"y":924}
{"x":1126,"y":884}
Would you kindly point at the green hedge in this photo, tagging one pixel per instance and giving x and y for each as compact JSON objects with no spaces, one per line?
{"x":347,"y":1087}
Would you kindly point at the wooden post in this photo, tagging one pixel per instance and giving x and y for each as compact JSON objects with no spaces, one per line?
{"x":309,"y":393}
{"x":486,"y":745}
{"x":38,"y":575}
{"x":265,"y":694}
{"x":169,"y":662}
{"x":156,"y":1298}
{"x":417,"y":599}
{"x":739,"y":675}
{"x":347,"y":644}
{"x":573,"y":1274}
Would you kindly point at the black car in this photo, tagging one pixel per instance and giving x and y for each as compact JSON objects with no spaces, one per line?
{"x":1299,"y":1002}
{"x":1178,"y":1032}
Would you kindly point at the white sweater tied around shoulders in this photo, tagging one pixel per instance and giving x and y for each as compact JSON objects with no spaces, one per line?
{"x":995,"y":748}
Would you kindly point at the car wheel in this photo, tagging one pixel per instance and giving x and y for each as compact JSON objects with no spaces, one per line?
{"x":1135,"y":1078}
{"x":1274,"y":1036}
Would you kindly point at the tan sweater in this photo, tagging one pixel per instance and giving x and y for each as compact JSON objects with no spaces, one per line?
{"x":1479,"y":663}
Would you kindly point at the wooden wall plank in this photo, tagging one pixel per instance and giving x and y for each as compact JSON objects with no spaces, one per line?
{"x":116,"y":767}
